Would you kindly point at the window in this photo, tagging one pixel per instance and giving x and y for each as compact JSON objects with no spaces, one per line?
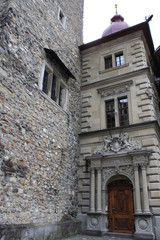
{"x":54,"y":78}
{"x":119,"y":58}
{"x":110,"y":114}
{"x":117,"y":112}
{"x":112,"y":61}
{"x":61,"y":17}
{"x":49,"y":83}
{"x":45,"y":81}
{"x":108,"y":62}
{"x":54,"y":87}
{"x":123,"y":111}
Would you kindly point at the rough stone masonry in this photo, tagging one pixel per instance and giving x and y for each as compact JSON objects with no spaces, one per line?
{"x":38,"y":139}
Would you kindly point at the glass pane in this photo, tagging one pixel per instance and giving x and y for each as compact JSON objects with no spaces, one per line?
{"x":123,"y":111}
{"x":119,"y":59}
{"x":108,"y":62}
{"x":53,"y":89}
{"x":45,"y":81}
{"x":122,"y":59}
{"x":60,"y":95}
{"x":110,"y":114}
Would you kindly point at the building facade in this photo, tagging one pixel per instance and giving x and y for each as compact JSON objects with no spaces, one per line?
{"x":111,"y":178}
{"x":39,"y":114}
{"x":119,"y":175}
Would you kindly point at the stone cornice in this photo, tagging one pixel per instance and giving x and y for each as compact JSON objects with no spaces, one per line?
{"x":129,"y":155}
{"x":112,"y":80}
{"x":120,"y":160}
{"x":128,"y":128}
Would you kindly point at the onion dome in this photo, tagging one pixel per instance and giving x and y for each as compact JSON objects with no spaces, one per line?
{"x":117,"y":24}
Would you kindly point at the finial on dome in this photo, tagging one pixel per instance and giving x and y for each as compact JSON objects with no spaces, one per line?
{"x":116,"y":8}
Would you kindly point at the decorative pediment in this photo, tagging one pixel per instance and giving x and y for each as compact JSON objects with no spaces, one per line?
{"x":118,"y":144}
{"x":115,"y":89}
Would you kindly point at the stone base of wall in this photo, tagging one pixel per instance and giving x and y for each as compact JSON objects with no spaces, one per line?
{"x":83,"y":219}
{"x":139,"y":236}
{"x":156,"y":224}
{"x":40,"y":232}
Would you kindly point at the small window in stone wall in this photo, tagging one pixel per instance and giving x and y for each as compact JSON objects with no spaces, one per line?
{"x":61,"y":17}
{"x":119,"y":58}
{"x":45,"y":81}
{"x":113,"y":61}
{"x":54,"y":78}
{"x":108,"y":62}
{"x":54,"y":87}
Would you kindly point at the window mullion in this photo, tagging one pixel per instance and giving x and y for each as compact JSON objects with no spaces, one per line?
{"x":116,"y":112}
{"x":113,"y":60}
{"x":49,"y":84}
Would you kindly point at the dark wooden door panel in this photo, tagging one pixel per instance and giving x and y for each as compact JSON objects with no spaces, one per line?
{"x":121,"y":224}
{"x":121,"y":208}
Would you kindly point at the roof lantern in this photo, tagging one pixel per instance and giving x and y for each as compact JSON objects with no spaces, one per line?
{"x":117,"y":24}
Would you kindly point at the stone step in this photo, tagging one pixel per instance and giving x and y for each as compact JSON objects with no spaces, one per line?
{"x":119,"y":236}
{"x":110,"y":236}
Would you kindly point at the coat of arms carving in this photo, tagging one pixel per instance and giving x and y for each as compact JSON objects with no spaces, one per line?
{"x":117,"y":144}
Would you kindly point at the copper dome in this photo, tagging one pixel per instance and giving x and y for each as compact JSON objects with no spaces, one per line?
{"x":117,"y":24}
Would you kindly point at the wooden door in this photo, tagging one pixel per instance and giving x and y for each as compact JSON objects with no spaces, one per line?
{"x":120,"y":206}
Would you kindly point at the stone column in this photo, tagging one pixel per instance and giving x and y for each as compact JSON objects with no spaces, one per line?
{"x":92,"y":191}
{"x":104,"y":200}
{"x":138,"y":208}
{"x":145,"y":190}
{"x":99,"y":191}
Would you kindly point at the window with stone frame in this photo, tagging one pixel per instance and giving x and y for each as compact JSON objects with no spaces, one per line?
{"x":61,"y":17}
{"x":108,"y":62}
{"x":113,"y":60}
{"x":54,"y":86}
{"x":117,"y":112}
{"x":54,"y":81}
{"x":49,"y":83}
{"x":119,"y":59}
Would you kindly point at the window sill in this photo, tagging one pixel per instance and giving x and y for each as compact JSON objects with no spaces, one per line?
{"x":113,"y":68}
{"x":52,"y":102}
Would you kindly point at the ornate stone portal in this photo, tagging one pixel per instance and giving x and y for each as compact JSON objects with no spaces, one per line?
{"x":119,"y":157}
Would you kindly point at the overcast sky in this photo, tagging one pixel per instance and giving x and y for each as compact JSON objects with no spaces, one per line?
{"x":97,"y":15}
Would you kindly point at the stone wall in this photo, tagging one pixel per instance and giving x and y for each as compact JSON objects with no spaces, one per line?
{"x":38,"y":140}
{"x":55,"y":231}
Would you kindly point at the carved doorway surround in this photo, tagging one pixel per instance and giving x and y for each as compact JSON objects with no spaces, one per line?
{"x":120,"y":206}
{"x":119,"y":158}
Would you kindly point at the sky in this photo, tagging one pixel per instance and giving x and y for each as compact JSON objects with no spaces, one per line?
{"x":97,"y":15}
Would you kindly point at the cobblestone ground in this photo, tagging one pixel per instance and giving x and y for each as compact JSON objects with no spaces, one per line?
{"x":85,"y":237}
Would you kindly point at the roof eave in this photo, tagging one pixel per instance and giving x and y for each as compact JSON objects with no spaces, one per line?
{"x":144,"y":26}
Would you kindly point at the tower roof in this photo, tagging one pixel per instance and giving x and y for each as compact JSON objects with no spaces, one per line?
{"x":117,"y":24}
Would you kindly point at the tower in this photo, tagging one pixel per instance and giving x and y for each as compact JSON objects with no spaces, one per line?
{"x":39,"y":119}
{"x":119,"y":140}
